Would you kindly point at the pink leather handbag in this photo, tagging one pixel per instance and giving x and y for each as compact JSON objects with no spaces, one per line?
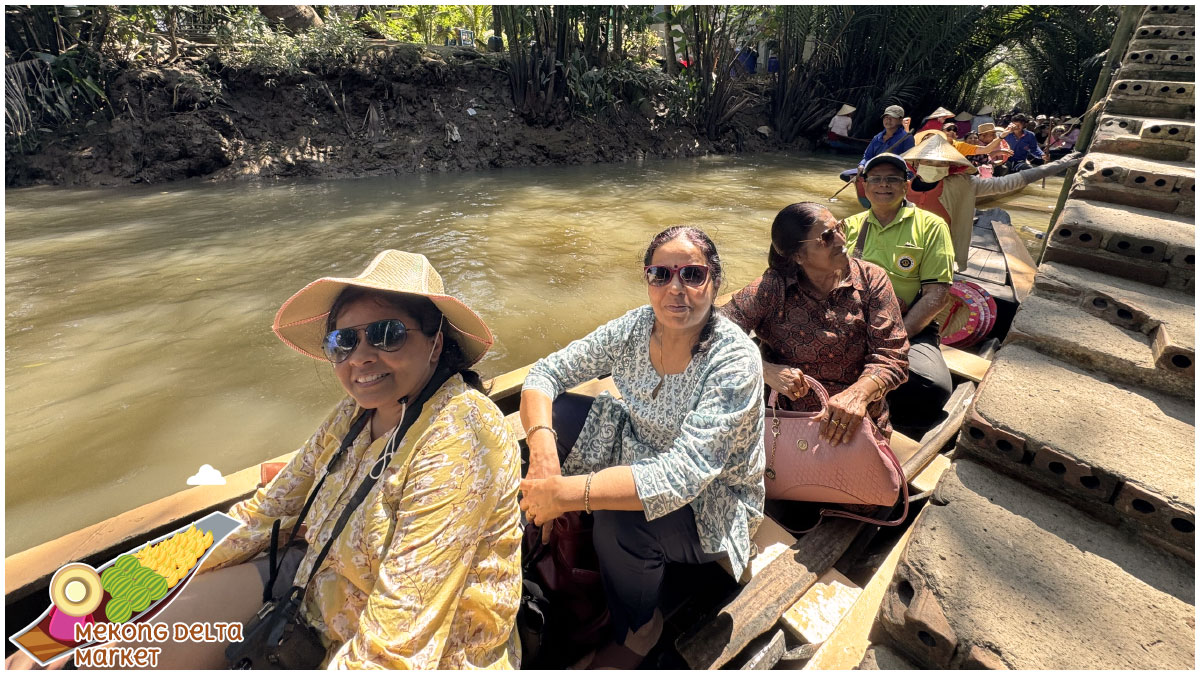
{"x":801,"y":466}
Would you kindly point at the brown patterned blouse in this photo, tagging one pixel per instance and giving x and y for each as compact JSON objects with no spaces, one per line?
{"x":857,"y":329}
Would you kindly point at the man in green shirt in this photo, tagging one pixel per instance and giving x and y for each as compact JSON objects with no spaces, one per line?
{"x":915,"y":248}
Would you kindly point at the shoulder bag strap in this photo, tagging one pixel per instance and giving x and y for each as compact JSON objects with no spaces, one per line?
{"x":410,"y":416}
{"x":861,"y":241}
{"x":356,"y":428}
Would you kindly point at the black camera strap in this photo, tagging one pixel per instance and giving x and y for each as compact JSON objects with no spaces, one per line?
{"x":411,"y":413}
{"x":276,"y":560}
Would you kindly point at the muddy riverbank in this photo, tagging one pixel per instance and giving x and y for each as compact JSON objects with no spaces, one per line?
{"x":398,"y":109}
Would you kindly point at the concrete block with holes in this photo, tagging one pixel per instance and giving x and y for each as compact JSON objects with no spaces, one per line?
{"x":998,"y":575}
{"x":1147,"y":137}
{"x":1090,"y":440}
{"x":1163,"y":186}
{"x":1159,"y":98}
{"x":1125,"y":231}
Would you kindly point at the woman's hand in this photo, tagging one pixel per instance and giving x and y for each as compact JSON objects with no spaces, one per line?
{"x":542,"y":499}
{"x":844,"y":412}
{"x":787,"y":381}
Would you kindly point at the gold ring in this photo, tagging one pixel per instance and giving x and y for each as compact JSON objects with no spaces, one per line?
{"x":842,"y":423}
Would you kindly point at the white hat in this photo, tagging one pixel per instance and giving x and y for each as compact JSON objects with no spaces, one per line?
{"x":846,"y":109}
{"x":986,"y":110}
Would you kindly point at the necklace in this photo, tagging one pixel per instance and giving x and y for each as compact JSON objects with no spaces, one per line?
{"x":663,"y":377}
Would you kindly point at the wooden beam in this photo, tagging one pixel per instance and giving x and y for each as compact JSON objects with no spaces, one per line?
{"x":844,"y":648}
{"x":760,"y":604}
{"x":508,"y":384}
{"x":1021,"y":267}
{"x":965,"y":364}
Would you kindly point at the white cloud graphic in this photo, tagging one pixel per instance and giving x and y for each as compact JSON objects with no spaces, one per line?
{"x":207,"y":476}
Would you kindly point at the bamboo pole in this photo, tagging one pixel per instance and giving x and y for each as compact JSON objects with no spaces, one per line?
{"x":1116,"y":51}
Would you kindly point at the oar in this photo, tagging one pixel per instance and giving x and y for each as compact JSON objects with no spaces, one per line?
{"x":833,"y":198}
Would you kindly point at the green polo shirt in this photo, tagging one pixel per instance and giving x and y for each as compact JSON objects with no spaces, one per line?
{"x":915,"y":248}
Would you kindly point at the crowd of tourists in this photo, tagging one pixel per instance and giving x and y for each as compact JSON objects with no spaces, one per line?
{"x":997,"y":145}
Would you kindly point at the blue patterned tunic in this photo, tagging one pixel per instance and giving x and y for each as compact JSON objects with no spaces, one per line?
{"x":700,"y":442}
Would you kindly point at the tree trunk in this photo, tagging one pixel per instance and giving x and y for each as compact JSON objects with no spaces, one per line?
{"x":671,"y":67}
{"x":296,"y":18}
{"x":172,"y":29}
{"x":618,"y":33}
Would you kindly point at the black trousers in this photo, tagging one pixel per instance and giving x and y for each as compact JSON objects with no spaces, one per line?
{"x":632,"y":551}
{"x":917,"y":404}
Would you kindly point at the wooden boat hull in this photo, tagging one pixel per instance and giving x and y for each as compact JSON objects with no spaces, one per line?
{"x":28,"y":572}
{"x":36,"y":640}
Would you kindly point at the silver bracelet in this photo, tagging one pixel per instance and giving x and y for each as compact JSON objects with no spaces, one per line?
{"x":541,"y":426}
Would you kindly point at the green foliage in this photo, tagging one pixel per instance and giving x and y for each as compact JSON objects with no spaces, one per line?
{"x":430,"y":24}
{"x":1062,"y":54}
{"x":595,"y":90}
{"x":328,"y":48}
{"x":1001,"y":87}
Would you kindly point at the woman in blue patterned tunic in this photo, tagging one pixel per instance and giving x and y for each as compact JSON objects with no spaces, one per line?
{"x":674,"y":468}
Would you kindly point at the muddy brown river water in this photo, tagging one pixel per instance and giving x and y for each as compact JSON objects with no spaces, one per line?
{"x":137,"y":335}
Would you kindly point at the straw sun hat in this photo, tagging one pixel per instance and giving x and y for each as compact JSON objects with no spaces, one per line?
{"x":932,"y":145}
{"x":939,"y":113}
{"x":846,"y":109}
{"x":300,"y":322}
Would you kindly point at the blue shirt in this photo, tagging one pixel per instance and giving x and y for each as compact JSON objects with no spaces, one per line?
{"x":879,"y":145}
{"x":1023,"y":146}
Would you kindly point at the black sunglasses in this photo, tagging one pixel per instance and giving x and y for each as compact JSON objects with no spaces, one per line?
{"x":387,"y":335}
{"x":827,"y":236}
{"x":689,"y":275}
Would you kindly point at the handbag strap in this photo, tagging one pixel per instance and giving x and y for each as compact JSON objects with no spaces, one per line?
{"x":410,"y":416}
{"x":276,"y":562}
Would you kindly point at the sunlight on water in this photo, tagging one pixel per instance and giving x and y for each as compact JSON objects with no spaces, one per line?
{"x":138,"y":337}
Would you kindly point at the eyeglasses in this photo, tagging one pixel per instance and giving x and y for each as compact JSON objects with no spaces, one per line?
{"x":885,"y":180}
{"x":387,"y":335}
{"x":828,"y":236}
{"x":689,"y":275}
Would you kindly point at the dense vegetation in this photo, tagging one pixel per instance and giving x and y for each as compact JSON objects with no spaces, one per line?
{"x":584,"y":60}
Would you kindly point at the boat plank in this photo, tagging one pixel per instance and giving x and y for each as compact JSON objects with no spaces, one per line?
{"x":845,"y":647}
{"x":965,"y":364}
{"x":1021,"y":268}
{"x":508,"y":384}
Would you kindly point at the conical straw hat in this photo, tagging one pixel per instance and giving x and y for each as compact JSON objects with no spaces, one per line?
{"x":986,"y":110}
{"x":300,"y":322}
{"x":846,"y":109}
{"x":964,"y":117}
{"x":932,"y":145}
{"x":938,"y":114}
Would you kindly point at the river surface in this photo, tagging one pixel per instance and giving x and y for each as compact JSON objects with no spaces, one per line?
{"x":137,"y":336}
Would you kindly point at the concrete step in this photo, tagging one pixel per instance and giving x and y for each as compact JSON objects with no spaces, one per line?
{"x":1169,"y":187}
{"x":1169,"y":15}
{"x":1162,"y":246}
{"x":1065,"y":331}
{"x":1149,"y":137}
{"x":1167,"y":317}
{"x":997,"y":575}
{"x":1160,"y":98}
{"x":1174,"y":35}
{"x":1153,"y":273}
{"x":1124,"y":454}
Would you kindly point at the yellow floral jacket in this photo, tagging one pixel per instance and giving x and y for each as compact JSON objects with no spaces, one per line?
{"x":427,"y":572}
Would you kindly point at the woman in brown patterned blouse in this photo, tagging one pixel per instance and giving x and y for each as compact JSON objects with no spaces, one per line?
{"x":821,"y":313}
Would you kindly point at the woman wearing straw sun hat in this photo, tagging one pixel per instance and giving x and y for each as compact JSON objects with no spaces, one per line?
{"x":946,"y":185}
{"x":425,"y":571}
